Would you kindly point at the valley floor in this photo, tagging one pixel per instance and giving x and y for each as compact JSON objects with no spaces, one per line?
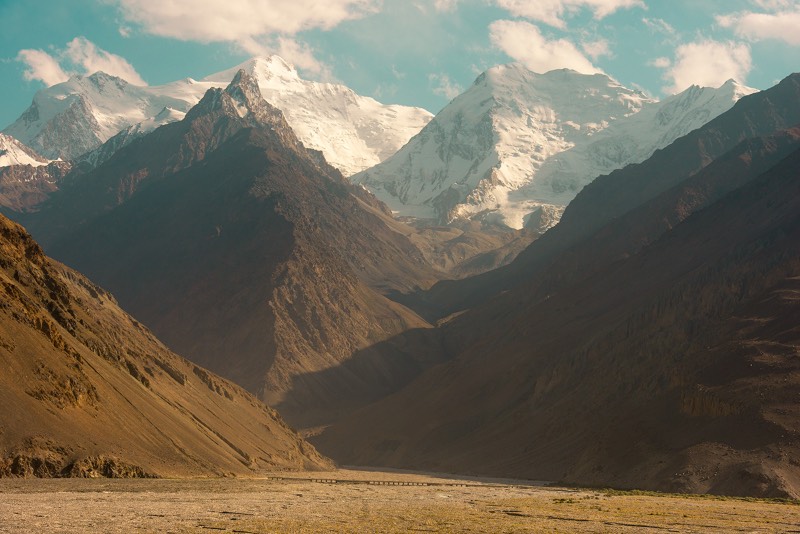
{"x":367,"y":501}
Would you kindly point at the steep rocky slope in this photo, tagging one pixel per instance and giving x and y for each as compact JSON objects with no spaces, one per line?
{"x":247,"y":252}
{"x":23,"y":187}
{"x":88,"y":391}
{"x":673,"y":368}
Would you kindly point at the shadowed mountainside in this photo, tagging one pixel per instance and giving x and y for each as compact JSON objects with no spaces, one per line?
{"x":88,"y":391}
{"x":671,"y":366}
{"x":246,"y":252}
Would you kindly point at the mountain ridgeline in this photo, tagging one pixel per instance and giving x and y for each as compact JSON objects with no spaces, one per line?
{"x":71,"y":119}
{"x":610,"y":197}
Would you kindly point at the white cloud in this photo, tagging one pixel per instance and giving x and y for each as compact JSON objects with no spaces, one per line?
{"x":89,"y":58}
{"x":258,"y":27}
{"x":239,"y":21}
{"x":302,"y":56}
{"x":706,"y":63}
{"x":783,"y":25}
{"x":661,"y":63}
{"x":523,"y":42}
{"x":659,"y":26}
{"x":41,"y":66}
{"x":445,"y":86}
{"x":774,"y":5}
{"x":552,"y":12}
{"x":597,"y":48}
{"x":80,"y":56}
{"x":445,"y":5}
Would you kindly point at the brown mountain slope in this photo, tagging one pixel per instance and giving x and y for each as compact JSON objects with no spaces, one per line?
{"x":88,"y":391}
{"x":23,"y":187}
{"x":249,"y":254}
{"x":673,"y":369}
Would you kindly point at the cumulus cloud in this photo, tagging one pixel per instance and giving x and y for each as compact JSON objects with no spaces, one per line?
{"x":88,"y":58}
{"x":302,"y":56}
{"x":659,"y":26}
{"x":596,"y":49}
{"x":243,"y":22}
{"x":523,"y":42}
{"x":661,"y":63}
{"x":706,"y":63}
{"x":41,"y":66}
{"x":80,"y":56}
{"x":258,"y":27}
{"x":783,"y":24}
{"x":445,"y":5}
{"x":552,"y":12}
{"x":444,"y":86}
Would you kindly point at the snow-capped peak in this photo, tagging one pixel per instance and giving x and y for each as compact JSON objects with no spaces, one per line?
{"x":517,"y":146}
{"x":12,"y":152}
{"x":737,"y":90}
{"x":262,"y":69}
{"x":353,"y":132}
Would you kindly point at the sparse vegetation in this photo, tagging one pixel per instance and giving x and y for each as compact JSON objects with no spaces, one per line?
{"x":364,"y":501}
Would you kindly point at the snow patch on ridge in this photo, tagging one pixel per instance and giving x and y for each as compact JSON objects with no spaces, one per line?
{"x":12,"y":152}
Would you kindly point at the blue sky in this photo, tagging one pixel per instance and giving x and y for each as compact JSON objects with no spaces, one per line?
{"x":413,"y":52}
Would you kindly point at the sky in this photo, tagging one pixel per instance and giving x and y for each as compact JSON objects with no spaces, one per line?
{"x":412,"y":52}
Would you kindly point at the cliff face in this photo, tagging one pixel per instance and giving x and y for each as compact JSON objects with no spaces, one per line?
{"x":88,"y":391}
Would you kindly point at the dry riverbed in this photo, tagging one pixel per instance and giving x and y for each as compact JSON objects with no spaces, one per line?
{"x":367,"y":501}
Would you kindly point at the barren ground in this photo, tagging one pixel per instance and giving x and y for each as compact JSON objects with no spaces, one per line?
{"x":367,"y":501}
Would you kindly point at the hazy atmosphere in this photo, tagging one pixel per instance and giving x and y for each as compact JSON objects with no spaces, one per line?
{"x":451,"y":265}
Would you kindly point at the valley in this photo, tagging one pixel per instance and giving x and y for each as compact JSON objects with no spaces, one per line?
{"x":355,"y":501}
{"x":631,"y":322}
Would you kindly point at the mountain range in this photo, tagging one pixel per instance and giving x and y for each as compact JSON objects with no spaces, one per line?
{"x":647,"y":341}
{"x":226,"y":211}
{"x":517,"y":146}
{"x":354,"y":132}
{"x":646,"y":337}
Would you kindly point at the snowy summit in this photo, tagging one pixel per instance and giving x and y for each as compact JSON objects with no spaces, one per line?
{"x":517,"y":146}
{"x":354,"y":132}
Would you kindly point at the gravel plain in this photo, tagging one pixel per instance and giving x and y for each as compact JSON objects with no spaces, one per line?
{"x":367,"y":501}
